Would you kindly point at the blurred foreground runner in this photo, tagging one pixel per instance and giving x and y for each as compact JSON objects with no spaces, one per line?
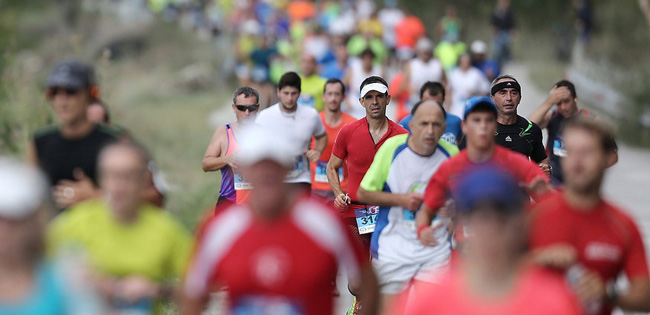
{"x":593,"y":240}
{"x":479,"y":126}
{"x":278,"y":251}
{"x":492,"y":277}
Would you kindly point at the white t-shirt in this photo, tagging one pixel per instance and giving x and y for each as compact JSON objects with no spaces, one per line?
{"x":464,"y":84}
{"x":421,"y":72}
{"x":300,"y":125}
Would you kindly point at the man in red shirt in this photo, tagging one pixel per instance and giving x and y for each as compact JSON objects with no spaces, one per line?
{"x":493,"y":277}
{"x":333,"y":119}
{"x":278,"y":251}
{"x":591,"y":238}
{"x":358,"y":142}
{"x":479,"y":125}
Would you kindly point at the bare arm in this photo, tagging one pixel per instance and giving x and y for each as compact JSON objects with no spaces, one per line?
{"x":315,"y":153}
{"x":637,"y":298}
{"x":32,"y":158}
{"x":542,"y":114}
{"x":423,"y":218}
{"x":406,"y":84}
{"x":411,"y":201}
{"x":341,"y":201}
{"x":213,"y":159}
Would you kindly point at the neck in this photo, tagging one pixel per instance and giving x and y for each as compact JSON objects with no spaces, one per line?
{"x":77,"y":129}
{"x":127,"y":215}
{"x":272,"y":211}
{"x":478,"y":155}
{"x":333,"y":117}
{"x":492,"y":274}
{"x":376,"y":123}
{"x":417,"y":149}
{"x":586,"y":200}
{"x":507,"y":119}
{"x":288,"y":110}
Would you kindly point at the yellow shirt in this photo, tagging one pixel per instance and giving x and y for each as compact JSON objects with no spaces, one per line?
{"x":155,"y":245}
{"x":311,"y":92}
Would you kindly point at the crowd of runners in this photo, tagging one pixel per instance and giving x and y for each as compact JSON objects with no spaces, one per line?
{"x":454,"y":207}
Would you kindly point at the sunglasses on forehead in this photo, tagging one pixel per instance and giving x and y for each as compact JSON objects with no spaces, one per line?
{"x":250,"y":108}
{"x":54,"y":91}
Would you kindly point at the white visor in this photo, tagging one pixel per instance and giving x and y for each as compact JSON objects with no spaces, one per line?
{"x":373,"y":87}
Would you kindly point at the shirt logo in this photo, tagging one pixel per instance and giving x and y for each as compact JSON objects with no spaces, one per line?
{"x":271,"y":266}
{"x":602,"y":252}
{"x":508,"y":139}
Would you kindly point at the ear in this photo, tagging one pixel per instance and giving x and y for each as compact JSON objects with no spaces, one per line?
{"x":462,"y":126}
{"x":95,"y":92}
{"x":612,"y":159}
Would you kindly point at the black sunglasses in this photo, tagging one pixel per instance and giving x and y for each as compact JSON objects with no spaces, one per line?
{"x":53,"y":91}
{"x":250,"y":108}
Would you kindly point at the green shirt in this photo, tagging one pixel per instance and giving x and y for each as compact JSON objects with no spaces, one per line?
{"x":311,"y":92}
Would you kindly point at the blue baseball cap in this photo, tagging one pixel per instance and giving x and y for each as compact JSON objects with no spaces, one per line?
{"x":491,"y":184}
{"x":476,"y":102}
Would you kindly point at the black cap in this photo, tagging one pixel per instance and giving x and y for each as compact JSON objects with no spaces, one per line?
{"x":71,"y":74}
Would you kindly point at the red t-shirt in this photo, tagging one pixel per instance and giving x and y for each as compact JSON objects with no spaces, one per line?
{"x":444,"y":180}
{"x":288,"y":263}
{"x":535,"y":292}
{"x":319,"y":182}
{"x":355,"y":143}
{"x":607,"y":240}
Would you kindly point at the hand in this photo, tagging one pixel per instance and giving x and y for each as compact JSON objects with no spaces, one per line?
{"x":135,"y":288}
{"x":537,"y":186}
{"x":557,"y":94}
{"x":448,"y":210}
{"x":546,"y":168}
{"x":341,"y":201}
{"x":590,"y":287}
{"x":426,"y":236}
{"x":411,"y":201}
{"x":559,"y":256}
{"x":313,"y":155}
{"x":69,"y":192}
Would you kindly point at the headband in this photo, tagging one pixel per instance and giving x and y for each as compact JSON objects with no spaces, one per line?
{"x":379,"y":87}
{"x":504,"y":85}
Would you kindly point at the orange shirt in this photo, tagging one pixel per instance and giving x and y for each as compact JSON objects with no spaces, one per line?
{"x":318,"y":175}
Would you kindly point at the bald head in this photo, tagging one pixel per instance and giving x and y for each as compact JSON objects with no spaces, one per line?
{"x":427,"y":126}
{"x":307,"y":64}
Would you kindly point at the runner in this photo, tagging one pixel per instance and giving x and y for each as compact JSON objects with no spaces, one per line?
{"x":424,"y":67}
{"x":116,"y":233}
{"x":593,"y":240}
{"x":465,"y":81}
{"x":515,"y":132}
{"x":299,"y":123}
{"x":479,"y":125}
{"x":359,"y":69}
{"x":220,"y":152}
{"x":311,"y":88}
{"x":333,"y":119}
{"x":436,"y":92}
{"x":279,"y":252}
{"x":358,"y":142}
{"x":395,"y":182}
{"x":563,"y":94}
{"x":493,"y":277}
{"x":67,"y":152}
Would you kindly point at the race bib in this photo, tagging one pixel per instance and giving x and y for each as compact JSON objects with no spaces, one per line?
{"x":320,"y":174}
{"x":558,"y":148}
{"x":366,"y":219}
{"x":296,"y":169}
{"x":241,"y":183}
{"x":409,"y":219}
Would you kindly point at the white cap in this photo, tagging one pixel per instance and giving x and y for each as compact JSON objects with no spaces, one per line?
{"x":424,"y":44}
{"x":23,"y":189}
{"x":478,"y":47}
{"x":257,"y":143}
{"x":379,"y":87}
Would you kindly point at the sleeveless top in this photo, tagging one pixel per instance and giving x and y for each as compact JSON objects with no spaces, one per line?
{"x":233,"y":186}
{"x":555,"y":144}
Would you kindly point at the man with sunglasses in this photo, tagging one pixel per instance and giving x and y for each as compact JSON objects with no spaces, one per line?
{"x":219,"y":154}
{"x":67,"y":152}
